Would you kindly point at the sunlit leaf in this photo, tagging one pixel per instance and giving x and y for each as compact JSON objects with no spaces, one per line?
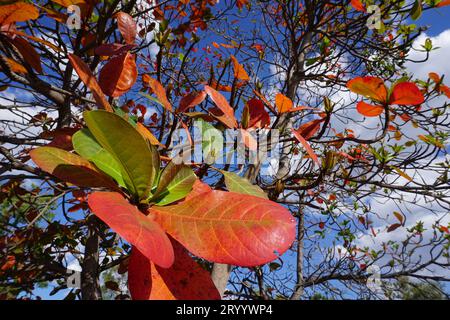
{"x":369,"y":110}
{"x":228,"y":227}
{"x":86,"y":146}
{"x":17,"y":12}
{"x":283,"y":103}
{"x":70,"y":167}
{"x":158,"y":90}
{"x":118,"y":75}
{"x":191,"y":100}
{"x":369,"y":87}
{"x":239,"y":71}
{"x":139,"y":160}
{"x":127,"y":27}
{"x":175,"y":183}
{"x":241,"y":185}
{"x":306,"y":145}
{"x":132,"y":225}
{"x":226,"y":112}
{"x":89,"y":80}
{"x":405,"y":93}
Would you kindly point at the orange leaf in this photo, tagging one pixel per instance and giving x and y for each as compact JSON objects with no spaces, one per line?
{"x":127,"y":27}
{"x":393,"y":227}
{"x":443,"y":3}
{"x":308,"y":129}
{"x":307,"y":147}
{"x":198,"y":188}
{"x":15,"y":66}
{"x":89,"y":80}
{"x":184,"y":280}
{"x":132,"y":225}
{"x":226,"y":114}
{"x":239,"y":71}
{"x":399,"y":216}
{"x":228,"y":227}
{"x":406,"y":93}
{"x":357,"y":5}
{"x":283,"y":103}
{"x":369,"y":87}
{"x":67,"y":3}
{"x":118,"y":75}
{"x":369,"y":110}
{"x":191,"y":100}
{"x":248,"y":140}
{"x":146,"y":133}
{"x":17,"y":12}
{"x":158,"y":90}
{"x":435,"y":77}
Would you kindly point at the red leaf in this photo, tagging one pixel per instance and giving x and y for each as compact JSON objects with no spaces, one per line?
{"x":369,"y":110}
{"x":357,"y":5}
{"x":132,"y":225}
{"x":393,"y":227}
{"x":184,"y":280}
{"x":306,"y":145}
{"x":406,"y":93}
{"x":226,"y":114}
{"x":118,"y":75}
{"x":28,"y":53}
{"x":191,"y":100}
{"x":370,"y":87}
{"x":443,"y":3}
{"x":127,"y":27}
{"x":89,"y":80}
{"x":158,"y":90}
{"x":259,"y":118}
{"x":309,"y":129}
{"x":112,"y":49}
{"x":230,"y":228}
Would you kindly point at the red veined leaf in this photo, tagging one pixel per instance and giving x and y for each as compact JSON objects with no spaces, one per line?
{"x":184,"y":280}
{"x":70,"y":167}
{"x":306,"y":145}
{"x":198,"y":188}
{"x":17,"y":12}
{"x":85,"y":74}
{"x":112,"y":49}
{"x":248,"y":139}
{"x":369,"y":110}
{"x":28,"y":53}
{"x":118,"y":75}
{"x":226,"y":116}
{"x":357,"y":5}
{"x":132,"y":225}
{"x":369,"y":87}
{"x":406,"y":93}
{"x":393,"y":227}
{"x":228,"y":227}
{"x":283,"y":103}
{"x":127,"y":27}
{"x":259,"y":118}
{"x":191,"y":100}
{"x":158,"y":90}
{"x":239,"y":71}
{"x":309,"y":129}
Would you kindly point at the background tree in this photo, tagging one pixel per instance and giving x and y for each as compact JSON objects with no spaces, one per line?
{"x":284,"y":65}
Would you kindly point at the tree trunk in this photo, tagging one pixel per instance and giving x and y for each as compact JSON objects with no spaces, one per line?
{"x":90,"y":282}
{"x":299,"y":286}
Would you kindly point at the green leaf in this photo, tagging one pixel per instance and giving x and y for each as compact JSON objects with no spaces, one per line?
{"x":212,"y":141}
{"x":86,"y":146}
{"x":241,"y":185}
{"x":139,"y":161}
{"x":416,"y":10}
{"x":175,"y":183}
